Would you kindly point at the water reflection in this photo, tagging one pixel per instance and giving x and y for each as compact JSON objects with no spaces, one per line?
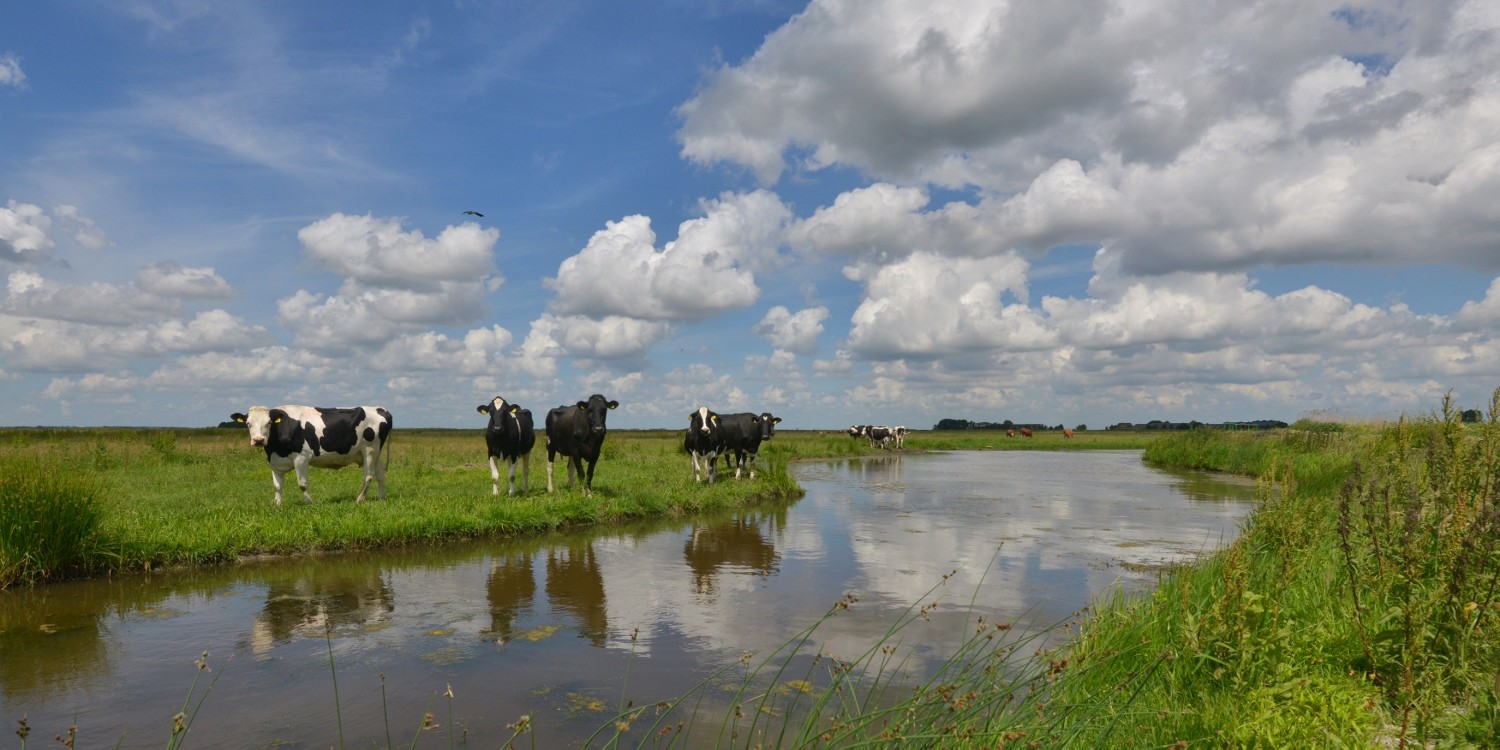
{"x":739,"y":543}
{"x":509,"y":588}
{"x":575,"y":585}
{"x":310,"y":602}
{"x":50,"y":646}
{"x":1030,"y":535}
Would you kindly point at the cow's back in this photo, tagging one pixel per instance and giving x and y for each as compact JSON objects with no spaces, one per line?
{"x":346,"y":435}
{"x":739,"y":431}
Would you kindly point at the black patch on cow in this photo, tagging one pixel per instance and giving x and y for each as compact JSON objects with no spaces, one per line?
{"x":340,"y":429}
{"x":369,"y":434}
{"x":386,"y":426}
{"x":286,"y":436}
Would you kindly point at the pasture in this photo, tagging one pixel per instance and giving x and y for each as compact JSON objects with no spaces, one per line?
{"x":164,"y":497}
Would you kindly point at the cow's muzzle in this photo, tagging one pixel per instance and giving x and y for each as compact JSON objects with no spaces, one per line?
{"x":257,"y":441}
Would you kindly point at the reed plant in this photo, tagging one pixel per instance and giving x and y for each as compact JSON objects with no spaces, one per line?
{"x":49,"y":520}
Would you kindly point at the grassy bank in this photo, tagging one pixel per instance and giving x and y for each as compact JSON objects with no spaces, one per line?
{"x":162,"y":497}
{"x":105,"y":500}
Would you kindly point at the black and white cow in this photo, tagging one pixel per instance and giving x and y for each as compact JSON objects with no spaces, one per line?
{"x":704,"y":440}
{"x":743,"y":434}
{"x":296,"y":437}
{"x":509,"y":436}
{"x":577,"y":432}
{"x":880,"y":436}
{"x":899,"y":434}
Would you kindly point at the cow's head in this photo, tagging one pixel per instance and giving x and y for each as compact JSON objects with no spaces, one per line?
{"x":597,"y":409}
{"x":855,"y":431}
{"x":703,"y":421}
{"x":259,"y":420}
{"x":498,"y":410}
{"x":767,"y":425}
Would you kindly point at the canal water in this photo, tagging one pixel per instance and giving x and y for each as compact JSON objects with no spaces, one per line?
{"x":567,"y":628}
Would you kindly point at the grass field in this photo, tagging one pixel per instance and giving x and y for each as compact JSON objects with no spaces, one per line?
{"x":118,"y":500}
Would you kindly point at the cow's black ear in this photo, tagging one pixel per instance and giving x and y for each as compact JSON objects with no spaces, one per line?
{"x":583,"y":404}
{"x":755,"y":420}
{"x":613,"y":404}
{"x":483,"y":409}
{"x":514,"y":408}
{"x":238,"y":417}
{"x":776,"y":420}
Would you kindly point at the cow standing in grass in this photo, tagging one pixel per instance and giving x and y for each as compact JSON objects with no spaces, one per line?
{"x":509,"y":436}
{"x":704,"y":440}
{"x":577,"y":432}
{"x":296,"y":437}
{"x":743,"y":434}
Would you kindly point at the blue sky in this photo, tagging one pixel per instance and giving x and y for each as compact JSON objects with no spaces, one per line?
{"x":841,"y":212}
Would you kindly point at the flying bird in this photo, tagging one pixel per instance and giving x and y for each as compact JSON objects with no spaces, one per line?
{"x":475,"y":213}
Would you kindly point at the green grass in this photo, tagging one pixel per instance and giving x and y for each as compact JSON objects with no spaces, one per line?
{"x":49,"y":520}
{"x":148,"y":498}
{"x":155,"y":498}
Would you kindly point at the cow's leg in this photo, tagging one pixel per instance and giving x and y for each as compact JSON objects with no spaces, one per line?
{"x":739,"y":463}
{"x":277,"y":477}
{"x":550,"y":456}
{"x":575,"y":466}
{"x":379,"y":472}
{"x":588,"y":481}
{"x":367,"y":466}
{"x":300,"y":464}
{"x":713,"y":466}
{"x":512,"y":462}
{"x":495,"y":477}
{"x":750,"y":464}
{"x":694,"y":455}
{"x":525,"y":473}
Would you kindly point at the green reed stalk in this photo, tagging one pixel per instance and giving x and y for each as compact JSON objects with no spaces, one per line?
{"x":338,"y":711}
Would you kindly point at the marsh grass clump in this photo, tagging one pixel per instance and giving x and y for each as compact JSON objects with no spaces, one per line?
{"x":1419,"y":536}
{"x":48,"y":520}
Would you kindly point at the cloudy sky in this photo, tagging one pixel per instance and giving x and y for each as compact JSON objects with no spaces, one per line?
{"x":841,"y":211}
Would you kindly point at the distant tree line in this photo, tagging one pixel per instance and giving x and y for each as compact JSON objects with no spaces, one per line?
{"x":965,"y":424}
{"x":1155,"y":424}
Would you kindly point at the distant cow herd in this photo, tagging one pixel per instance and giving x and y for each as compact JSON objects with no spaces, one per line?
{"x":880,"y":436}
{"x":298,"y":437}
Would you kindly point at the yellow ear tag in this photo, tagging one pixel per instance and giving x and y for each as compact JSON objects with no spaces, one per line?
{"x":277,"y":420}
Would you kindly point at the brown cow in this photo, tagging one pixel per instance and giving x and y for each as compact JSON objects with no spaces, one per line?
{"x":1010,"y":433}
{"x":1067,"y":433}
{"x":1025,"y":432}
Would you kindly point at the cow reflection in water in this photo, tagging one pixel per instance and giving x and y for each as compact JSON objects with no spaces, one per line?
{"x":877,"y":468}
{"x":510,"y":588}
{"x":736,"y":543}
{"x":309,"y":605}
{"x":576,"y":585}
